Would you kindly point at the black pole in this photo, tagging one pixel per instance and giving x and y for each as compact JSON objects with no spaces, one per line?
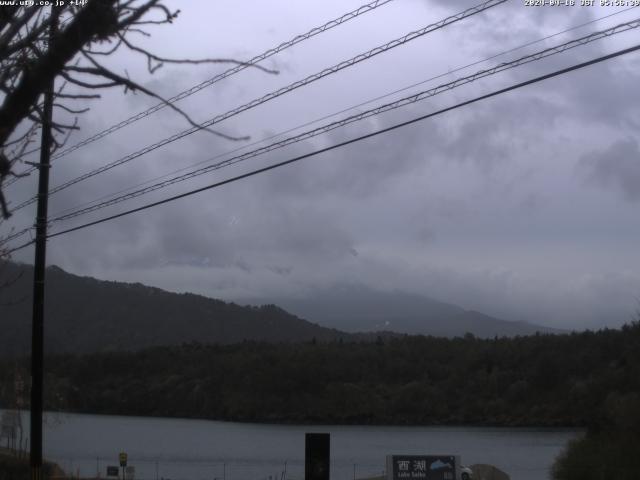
{"x":37,"y":325}
{"x":317,"y":456}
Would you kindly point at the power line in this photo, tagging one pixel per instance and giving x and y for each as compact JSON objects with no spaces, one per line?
{"x":227,"y":73}
{"x":366,"y":114}
{"x":361,"y":116}
{"x":347,"y":142}
{"x":15,"y":235}
{"x":380,"y":97}
{"x":277,"y":93}
{"x":215,"y":167}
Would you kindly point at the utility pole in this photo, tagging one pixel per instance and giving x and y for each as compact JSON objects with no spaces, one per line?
{"x":37,"y":325}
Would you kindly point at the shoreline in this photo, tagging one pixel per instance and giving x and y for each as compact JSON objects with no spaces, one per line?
{"x":432,"y":426}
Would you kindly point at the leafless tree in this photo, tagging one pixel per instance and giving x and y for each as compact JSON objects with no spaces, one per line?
{"x":75,"y":53}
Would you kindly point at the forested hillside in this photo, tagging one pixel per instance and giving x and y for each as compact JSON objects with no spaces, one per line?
{"x":86,"y":315}
{"x":544,"y":380}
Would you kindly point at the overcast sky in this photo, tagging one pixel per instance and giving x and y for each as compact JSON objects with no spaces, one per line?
{"x":524,"y":206}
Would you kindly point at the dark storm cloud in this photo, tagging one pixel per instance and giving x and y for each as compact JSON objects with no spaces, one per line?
{"x":232,"y":233}
{"x":499,"y":26}
{"x":487,"y":135}
{"x":484,"y":135}
{"x":480,"y":206}
{"x":616,"y":167}
{"x":596,"y":94}
{"x":357,"y":170}
{"x":603,"y":95}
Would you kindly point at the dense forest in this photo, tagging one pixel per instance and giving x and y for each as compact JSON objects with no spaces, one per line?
{"x":589,"y":379}
{"x":542,"y":380}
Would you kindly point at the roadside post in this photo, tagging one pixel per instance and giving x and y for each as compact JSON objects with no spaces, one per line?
{"x":317,"y":461}
{"x":123,"y":462}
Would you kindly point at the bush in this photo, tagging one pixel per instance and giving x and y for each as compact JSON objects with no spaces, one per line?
{"x":600,"y":456}
{"x":611,"y":447}
{"x":14,"y":468}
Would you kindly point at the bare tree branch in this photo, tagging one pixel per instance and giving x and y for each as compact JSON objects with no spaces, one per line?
{"x":102,"y":71}
{"x":86,"y":26}
{"x":30,"y":59}
{"x":157,"y":58}
{"x":14,"y":29}
{"x":71,"y":110}
{"x":78,"y":96}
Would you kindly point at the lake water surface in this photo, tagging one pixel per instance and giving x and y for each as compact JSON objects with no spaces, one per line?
{"x":201,"y":449}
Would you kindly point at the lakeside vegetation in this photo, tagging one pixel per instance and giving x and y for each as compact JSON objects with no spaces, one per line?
{"x":542,"y":380}
{"x":589,"y":379}
{"x":16,"y":467}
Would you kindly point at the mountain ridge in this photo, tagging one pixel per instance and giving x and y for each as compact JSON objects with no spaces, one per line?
{"x":356,"y":308}
{"x":85,"y":315}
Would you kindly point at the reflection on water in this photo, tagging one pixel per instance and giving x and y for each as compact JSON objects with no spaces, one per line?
{"x":201,"y":449}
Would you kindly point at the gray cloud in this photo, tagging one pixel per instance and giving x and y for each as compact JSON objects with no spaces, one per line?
{"x":616,"y":167}
{"x":481,"y":206}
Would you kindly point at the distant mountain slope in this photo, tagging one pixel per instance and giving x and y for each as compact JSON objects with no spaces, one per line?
{"x":354,"y":308}
{"x":88,"y":315}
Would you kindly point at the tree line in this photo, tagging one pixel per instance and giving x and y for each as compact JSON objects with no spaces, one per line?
{"x":588,"y":379}
{"x":541,"y":380}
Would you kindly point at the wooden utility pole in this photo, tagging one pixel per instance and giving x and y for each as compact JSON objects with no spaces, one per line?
{"x":37,"y":325}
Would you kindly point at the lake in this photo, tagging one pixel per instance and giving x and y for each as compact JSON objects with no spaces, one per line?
{"x":200,"y":449}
